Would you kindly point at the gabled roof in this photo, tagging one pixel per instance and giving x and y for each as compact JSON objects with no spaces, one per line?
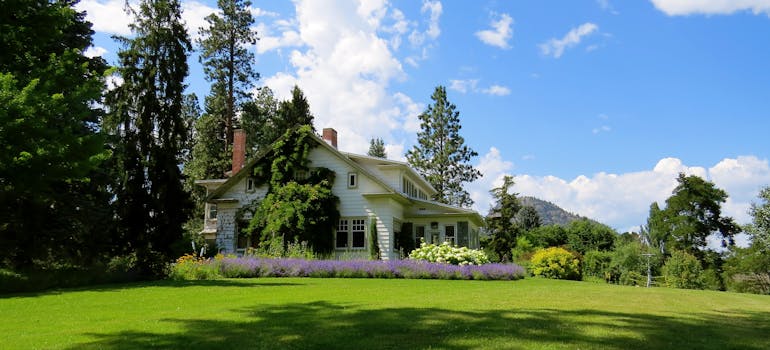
{"x":246,"y":170}
{"x":348,"y":158}
{"x":395,"y":163}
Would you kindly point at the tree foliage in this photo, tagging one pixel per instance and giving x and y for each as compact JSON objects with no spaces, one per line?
{"x":441,"y":155}
{"x":227,"y":62}
{"x":693,"y":212}
{"x":527,"y":218}
{"x":51,"y":148}
{"x":296,"y":207}
{"x":585,"y":235}
{"x":147,"y":118}
{"x":377,"y":148}
{"x":500,"y":222}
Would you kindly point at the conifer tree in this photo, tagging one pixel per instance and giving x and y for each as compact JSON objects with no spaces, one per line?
{"x":147,"y":117}
{"x":441,"y":155}
{"x":227,"y":62}
{"x":377,"y":148}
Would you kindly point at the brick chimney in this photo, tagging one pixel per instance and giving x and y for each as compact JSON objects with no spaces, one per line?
{"x":239,"y":150}
{"x":330,"y":136}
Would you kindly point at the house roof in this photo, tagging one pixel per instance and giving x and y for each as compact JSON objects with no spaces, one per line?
{"x":350,"y":159}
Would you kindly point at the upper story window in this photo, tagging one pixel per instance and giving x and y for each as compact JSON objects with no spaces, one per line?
{"x":352,"y":180}
{"x":409,"y":188}
{"x":300,"y":175}
{"x":211,"y":213}
{"x":251,"y":184}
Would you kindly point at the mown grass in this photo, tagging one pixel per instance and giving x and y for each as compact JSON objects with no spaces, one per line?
{"x":308,"y":313}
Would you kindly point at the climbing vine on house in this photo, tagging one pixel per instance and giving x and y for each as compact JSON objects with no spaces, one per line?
{"x":299,"y":204}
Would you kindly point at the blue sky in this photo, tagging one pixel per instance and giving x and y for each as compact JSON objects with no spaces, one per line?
{"x":593,"y":105}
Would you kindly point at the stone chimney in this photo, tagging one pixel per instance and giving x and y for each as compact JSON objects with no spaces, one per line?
{"x":330,"y":136}
{"x":239,"y":150}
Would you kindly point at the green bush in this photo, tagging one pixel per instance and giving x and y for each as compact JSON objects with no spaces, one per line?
{"x":445,"y":253}
{"x":597,"y":264}
{"x":555,"y":262}
{"x":683,"y":270}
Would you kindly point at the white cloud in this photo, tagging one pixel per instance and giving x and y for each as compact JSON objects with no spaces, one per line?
{"x":471,"y":85}
{"x":555,"y":47}
{"x":110,"y":16}
{"x":497,"y":90}
{"x":603,"y":128}
{"x":500,"y":34}
{"x":343,"y":61}
{"x":107,"y":16}
{"x":463,"y":86}
{"x":493,"y":168}
{"x":94,"y":51}
{"x":711,"y":7}
{"x":623,"y":200}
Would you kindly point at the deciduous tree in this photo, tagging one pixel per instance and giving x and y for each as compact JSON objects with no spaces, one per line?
{"x":50,"y":146}
{"x":691,"y":215}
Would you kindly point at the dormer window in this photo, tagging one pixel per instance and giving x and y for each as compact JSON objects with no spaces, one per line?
{"x":352,"y":180}
{"x":251,"y":184}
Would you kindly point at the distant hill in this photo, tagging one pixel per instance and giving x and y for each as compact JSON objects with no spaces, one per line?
{"x":550,"y":213}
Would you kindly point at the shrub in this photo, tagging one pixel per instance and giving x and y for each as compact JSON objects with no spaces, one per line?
{"x":445,"y":253}
{"x":683,"y":270}
{"x":597,"y":264}
{"x":555,"y":262}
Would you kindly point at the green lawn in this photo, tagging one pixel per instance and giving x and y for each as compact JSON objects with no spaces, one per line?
{"x":300,"y":313}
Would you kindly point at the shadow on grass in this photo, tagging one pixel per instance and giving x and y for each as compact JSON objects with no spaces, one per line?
{"x":323,"y":325}
{"x":158,"y":283}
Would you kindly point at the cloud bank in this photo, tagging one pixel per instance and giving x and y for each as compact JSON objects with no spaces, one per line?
{"x":623,"y":200}
{"x":711,"y":7}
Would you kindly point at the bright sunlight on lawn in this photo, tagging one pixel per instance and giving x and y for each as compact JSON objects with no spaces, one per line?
{"x":285,"y":313}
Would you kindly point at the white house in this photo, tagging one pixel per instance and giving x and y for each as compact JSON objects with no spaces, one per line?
{"x":369,"y":188}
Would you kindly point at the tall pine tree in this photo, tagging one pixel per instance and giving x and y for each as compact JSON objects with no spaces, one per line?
{"x":227,"y":62}
{"x":441,"y":155}
{"x":147,"y":117}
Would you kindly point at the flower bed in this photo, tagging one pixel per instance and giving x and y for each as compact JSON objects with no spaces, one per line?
{"x":235,"y":267}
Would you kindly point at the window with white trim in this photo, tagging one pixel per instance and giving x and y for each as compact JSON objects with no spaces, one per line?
{"x":351,"y":233}
{"x":449,"y":234}
{"x":212,"y":211}
{"x":352,"y":180}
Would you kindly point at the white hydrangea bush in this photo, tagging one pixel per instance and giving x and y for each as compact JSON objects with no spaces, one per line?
{"x":448,"y":254}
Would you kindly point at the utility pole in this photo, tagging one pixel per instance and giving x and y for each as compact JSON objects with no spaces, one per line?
{"x":649,"y":270}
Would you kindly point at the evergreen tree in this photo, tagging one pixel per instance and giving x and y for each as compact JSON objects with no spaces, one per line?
{"x":50,"y":146}
{"x":259,"y":121}
{"x":294,"y":112}
{"x":500,"y":221}
{"x":226,"y":60}
{"x":377,"y":148}
{"x":692,"y":213}
{"x":147,"y":117}
{"x":441,"y":155}
{"x":528,"y":218}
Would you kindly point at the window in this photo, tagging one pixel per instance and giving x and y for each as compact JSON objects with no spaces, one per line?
{"x":351,"y":233}
{"x":300,"y":175}
{"x":251,"y":184}
{"x":352,"y":180}
{"x":342,"y":234}
{"x":409,"y":188}
{"x":212,"y":212}
{"x":419,"y":236}
{"x":359,"y":227}
{"x":449,"y":234}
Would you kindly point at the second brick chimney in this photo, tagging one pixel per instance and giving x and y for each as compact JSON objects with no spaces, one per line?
{"x":330,"y":136}
{"x":239,"y":150}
